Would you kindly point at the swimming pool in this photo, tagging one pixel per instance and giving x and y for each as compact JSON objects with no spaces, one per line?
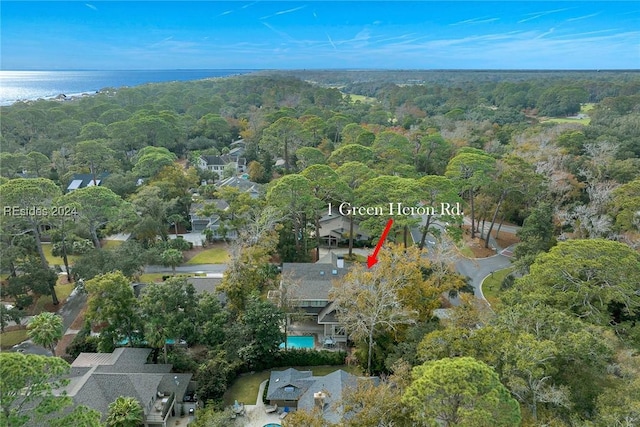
{"x":300,"y":341}
{"x":272,"y":425}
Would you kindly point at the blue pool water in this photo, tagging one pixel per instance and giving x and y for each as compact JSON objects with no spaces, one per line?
{"x":272,"y":425}
{"x":300,"y":341}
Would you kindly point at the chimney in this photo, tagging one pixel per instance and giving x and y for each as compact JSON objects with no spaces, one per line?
{"x":337,"y":260}
{"x":319,"y":399}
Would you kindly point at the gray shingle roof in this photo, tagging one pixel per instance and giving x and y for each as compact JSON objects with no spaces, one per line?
{"x":289,"y":384}
{"x":314,"y":279}
{"x":97,"y":379}
{"x":305,"y":385}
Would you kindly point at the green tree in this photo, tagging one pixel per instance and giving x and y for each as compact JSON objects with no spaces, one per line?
{"x":350,"y":133}
{"x":626,"y":205}
{"x":81,"y":416}
{"x":34,"y":196}
{"x":37,"y":164}
{"x":94,"y":155}
{"x":169,"y":311}
{"x":594,"y":279}
{"x":392,"y":149}
{"x":470,"y":169}
{"x":351,"y":153}
{"x":327,"y":187}
{"x":284,"y":137}
{"x":385,"y":191}
{"x":125,"y":412}
{"x":536,"y":235}
{"x":11,"y":164}
{"x":432,"y":154}
{"x":27,"y":384}
{"x":293,"y":196}
{"x":437,"y":189}
{"x":308,"y":156}
{"x":215,"y":127}
{"x":513,"y":175}
{"x":460,"y":392}
{"x":154,"y":211}
{"x":172,"y":258}
{"x":46,"y":329}
{"x":98,"y":206}
{"x":262,"y":325}
{"x":7,"y":315}
{"x":210,"y":417}
{"x":150,"y":160}
{"x":113,"y":305}
{"x":354,"y":174}
{"x":129,"y":257}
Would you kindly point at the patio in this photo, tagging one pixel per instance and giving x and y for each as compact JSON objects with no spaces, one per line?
{"x":256,"y":415}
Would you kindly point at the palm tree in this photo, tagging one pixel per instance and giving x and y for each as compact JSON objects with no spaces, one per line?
{"x":46,"y":329}
{"x":125,"y":412}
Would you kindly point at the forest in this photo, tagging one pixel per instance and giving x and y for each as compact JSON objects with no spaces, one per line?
{"x":554,"y":154}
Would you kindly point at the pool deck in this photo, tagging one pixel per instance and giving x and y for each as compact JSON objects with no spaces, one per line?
{"x":256,"y":415}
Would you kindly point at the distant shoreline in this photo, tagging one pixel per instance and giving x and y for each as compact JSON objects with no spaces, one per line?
{"x":18,"y":86}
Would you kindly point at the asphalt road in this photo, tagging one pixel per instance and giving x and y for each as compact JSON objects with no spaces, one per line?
{"x":69,"y":311}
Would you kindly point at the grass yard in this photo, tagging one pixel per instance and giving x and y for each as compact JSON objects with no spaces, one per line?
{"x":45,"y":303}
{"x":491,"y":285}
{"x":466,"y":251}
{"x":361,"y":98}
{"x":210,"y":256}
{"x":152,"y":277}
{"x":245,"y":387}
{"x":10,"y":338}
{"x":56,"y":260}
{"x":111,"y":244}
{"x":584,"y":121}
{"x":357,"y":258}
{"x":157,"y":277}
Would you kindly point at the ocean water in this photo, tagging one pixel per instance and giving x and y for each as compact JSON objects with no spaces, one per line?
{"x":30,"y":85}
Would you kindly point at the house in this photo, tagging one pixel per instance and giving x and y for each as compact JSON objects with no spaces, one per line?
{"x":243,"y":184}
{"x":97,"y":379}
{"x":218,"y":163}
{"x":237,"y":148}
{"x":82,"y":180}
{"x":295,"y":389}
{"x":308,"y":286}
{"x":334,"y":229}
{"x":201,"y":284}
{"x":212,"y":221}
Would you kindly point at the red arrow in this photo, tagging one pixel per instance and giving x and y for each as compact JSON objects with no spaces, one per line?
{"x":373,"y":259}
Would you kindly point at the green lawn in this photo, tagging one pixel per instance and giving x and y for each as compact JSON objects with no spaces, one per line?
{"x":62,"y":292}
{"x":152,"y":277}
{"x":9,"y":339}
{"x":111,"y":244}
{"x":357,"y":258}
{"x":584,"y":121}
{"x":361,"y":98}
{"x":245,"y":387}
{"x":491,"y":285}
{"x":466,"y":251}
{"x":210,"y":256}
{"x":56,"y":260}
{"x":157,"y":277}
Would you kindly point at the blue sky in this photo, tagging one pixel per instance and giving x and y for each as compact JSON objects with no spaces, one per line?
{"x":319,"y":34}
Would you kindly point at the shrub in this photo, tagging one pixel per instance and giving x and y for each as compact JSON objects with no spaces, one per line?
{"x":307,"y":357}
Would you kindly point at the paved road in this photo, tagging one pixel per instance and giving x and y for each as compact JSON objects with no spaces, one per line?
{"x":69,"y":311}
{"x":199,"y":268}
